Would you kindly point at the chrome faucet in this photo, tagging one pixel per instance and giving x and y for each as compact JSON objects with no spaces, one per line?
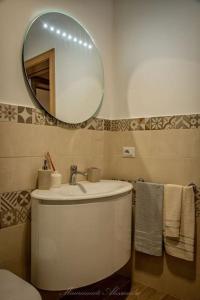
{"x":73,"y":173}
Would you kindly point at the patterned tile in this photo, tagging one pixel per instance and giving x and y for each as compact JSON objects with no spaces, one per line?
{"x":50,"y":120}
{"x":182,"y":122}
{"x":8,"y":200}
{"x":137,"y":124}
{"x":107,"y":125}
{"x":62,"y":124}
{"x":8,"y":218}
{"x":169,"y":122}
{"x":39,"y":117}
{"x":15,"y":208}
{"x":84,"y":124}
{"x":114,"y":125}
{"x":8,"y":113}
{"x":24,"y":199}
{"x":71,"y":126}
{"x":124,"y":124}
{"x":195,"y":121}
{"x":120,"y":125}
{"x":156,"y":123}
{"x":96,"y":124}
{"x":25,"y":115}
{"x":147,"y":123}
{"x":24,"y":215}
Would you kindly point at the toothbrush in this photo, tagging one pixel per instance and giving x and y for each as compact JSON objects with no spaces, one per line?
{"x":51,"y":162}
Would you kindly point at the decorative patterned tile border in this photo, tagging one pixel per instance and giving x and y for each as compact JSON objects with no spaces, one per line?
{"x":27,"y":115}
{"x":15,"y":207}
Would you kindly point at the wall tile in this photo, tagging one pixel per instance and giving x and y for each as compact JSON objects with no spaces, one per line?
{"x":18,"y":140}
{"x":169,"y":122}
{"x":157,"y":123}
{"x":195,"y":121}
{"x":137,"y":124}
{"x":19,"y":173}
{"x":14,"y":208}
{"x":49,"y":120}
{"x":173,"y":143}
{"x":182,"y":122}
{"x":107,"y":125}
{"x":15,"y":249}
{"x":8,"y":113}
{"x":96,"y":124}
{"x":38,"y":117}
{"x":25,"y":115}
{"x":148,"y":124}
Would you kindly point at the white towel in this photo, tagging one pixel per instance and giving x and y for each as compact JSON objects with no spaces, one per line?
{"x":149,"y":218}
{"x":184,"y":247}
{"x":172,"y":210}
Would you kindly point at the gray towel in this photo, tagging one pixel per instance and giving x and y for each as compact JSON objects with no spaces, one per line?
{"x":149,"y":218}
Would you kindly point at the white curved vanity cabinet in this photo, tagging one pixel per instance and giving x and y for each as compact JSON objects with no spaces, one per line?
{"x":80,"y":234}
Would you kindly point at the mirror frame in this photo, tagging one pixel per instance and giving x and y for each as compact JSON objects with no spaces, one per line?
{"x":30,"y":90}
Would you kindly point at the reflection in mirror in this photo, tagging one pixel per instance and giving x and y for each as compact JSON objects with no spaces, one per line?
{"x":40,"y":71}
{"x":63,"y":68}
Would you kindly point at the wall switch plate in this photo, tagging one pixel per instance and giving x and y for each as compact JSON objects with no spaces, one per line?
{"x":128,"y":152}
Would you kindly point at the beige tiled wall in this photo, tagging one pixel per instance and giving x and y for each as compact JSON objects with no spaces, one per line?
{"x":165,"y":156}
{"x":15,"y":249}
{"x":23,"y":147}
{"x":161,"y":155}
{"x":21,"y":154}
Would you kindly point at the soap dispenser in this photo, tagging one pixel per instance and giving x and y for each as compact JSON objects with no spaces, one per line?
{"x":44,"y":177}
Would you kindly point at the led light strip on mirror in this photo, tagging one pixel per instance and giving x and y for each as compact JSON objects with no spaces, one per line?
{"x":68,"y":36}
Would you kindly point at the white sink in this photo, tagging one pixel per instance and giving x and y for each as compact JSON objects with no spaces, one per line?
{"x":84,"y":190}
{"x":80,"y":234}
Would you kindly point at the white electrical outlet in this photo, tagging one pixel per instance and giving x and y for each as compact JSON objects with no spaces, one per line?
{"x":128,"y":152}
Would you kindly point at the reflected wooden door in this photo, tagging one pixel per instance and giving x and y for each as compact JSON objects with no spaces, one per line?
{"x":40,"y":71}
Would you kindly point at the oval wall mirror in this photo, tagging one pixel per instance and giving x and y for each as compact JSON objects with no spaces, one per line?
{"x":63,"y":67}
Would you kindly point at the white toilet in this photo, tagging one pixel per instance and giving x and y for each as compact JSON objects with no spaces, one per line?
{"x":13,"y":287}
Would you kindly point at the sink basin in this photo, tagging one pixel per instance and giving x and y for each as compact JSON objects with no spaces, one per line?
{"x":84,"y":190}
{"x":80,"y":234}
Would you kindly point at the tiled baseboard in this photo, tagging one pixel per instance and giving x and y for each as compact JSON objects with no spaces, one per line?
{"x":27,"y":115}
{"x":15,"y":207}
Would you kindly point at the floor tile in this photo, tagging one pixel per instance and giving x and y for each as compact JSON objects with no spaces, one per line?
{"x":142,"y":292}
{"x":147,"y":294}
{"x":138,"y":288}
